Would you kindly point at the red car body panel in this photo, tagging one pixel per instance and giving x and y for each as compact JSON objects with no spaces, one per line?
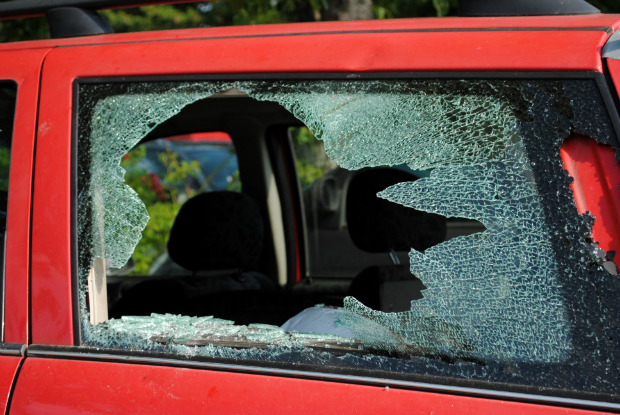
{"x":8,"y":372}
{"x":596,"y":186}
{"x":24,"y":68}
{"x":51,"y":386}
{"x":567,"y":43}
{"x":52,"y":312}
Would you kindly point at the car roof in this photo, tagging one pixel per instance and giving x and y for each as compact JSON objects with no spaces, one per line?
{"x":600,"y":22}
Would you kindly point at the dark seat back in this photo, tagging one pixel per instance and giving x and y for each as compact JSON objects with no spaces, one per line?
{"x":217,"y":231}
{"x":377,"y":225}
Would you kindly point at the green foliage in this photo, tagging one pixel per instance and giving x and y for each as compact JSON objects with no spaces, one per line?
{"x":606,"y":6}
{"x":242,"y":12}
{"x":443,"y":7}
{"x":5,"y":161}
{"x":311,"y":160}
{"x":153,"y":18}
{"x":23,"y":29}
{"x":235,"y":183}
{"x":393,"y":9}
{"x":155,"y":235}
{"x":139,"y":179}
{"x":162,"y":199}
{"x":176,"y":174}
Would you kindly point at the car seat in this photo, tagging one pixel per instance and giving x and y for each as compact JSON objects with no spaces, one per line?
{"x":218,"y":236}
{"x":376,"y":225}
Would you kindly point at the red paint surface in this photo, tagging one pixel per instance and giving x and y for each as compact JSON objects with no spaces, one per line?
{"x":596,"y":187}
{"x":216,"y":137}
{"x":48,"y":386}
{"x":8,"y":368}
{"x":356,"y":52}
{"x":345,"y":52}
{"x":24,"y":68}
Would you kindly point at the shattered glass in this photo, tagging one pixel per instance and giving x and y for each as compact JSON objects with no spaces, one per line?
{"x":495,"y":290}
{"x":203,"y":331}
{"x":525,"y":302}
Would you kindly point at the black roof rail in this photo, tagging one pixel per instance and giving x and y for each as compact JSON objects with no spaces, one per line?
{"x":70,"y":18}
{"x":525,"y":7}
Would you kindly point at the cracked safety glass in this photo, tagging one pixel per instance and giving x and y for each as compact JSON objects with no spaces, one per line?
{"x":418,"y":227}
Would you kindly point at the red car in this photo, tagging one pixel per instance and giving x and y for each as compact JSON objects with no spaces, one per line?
{"x":411,"y":216}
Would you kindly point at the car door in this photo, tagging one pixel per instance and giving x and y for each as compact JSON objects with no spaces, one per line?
{"x":19,"y":81}
{"x":65,"y":373}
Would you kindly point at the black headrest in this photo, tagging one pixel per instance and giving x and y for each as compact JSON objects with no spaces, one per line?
{"x":217,"y":231}
{"x":377,"y":225}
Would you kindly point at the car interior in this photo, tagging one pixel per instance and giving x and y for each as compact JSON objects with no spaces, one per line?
{"x":277,"y":247}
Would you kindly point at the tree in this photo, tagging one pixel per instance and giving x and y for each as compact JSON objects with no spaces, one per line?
{"x":238,"y":12}
{"x":251,"y":12}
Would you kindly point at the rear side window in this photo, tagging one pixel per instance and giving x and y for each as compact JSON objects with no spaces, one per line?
{"x":8,"y":94}
{"x":522,"y":296}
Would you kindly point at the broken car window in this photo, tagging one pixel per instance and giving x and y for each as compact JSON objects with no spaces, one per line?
{"x":520,"y":299}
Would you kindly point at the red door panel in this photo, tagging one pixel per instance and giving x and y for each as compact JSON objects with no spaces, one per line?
{"x":24,"y":68}
{"x":596,"y":186}
{"x":8,"y":370}
{"x":51,"y":386}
